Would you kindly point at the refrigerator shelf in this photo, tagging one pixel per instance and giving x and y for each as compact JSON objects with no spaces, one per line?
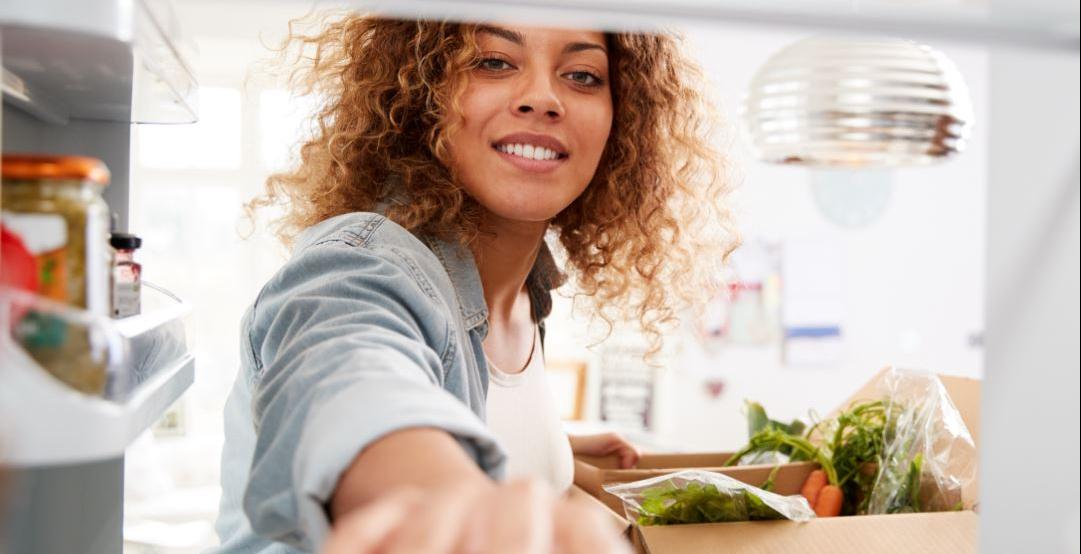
{"x":111,"y":60}
{"x":1048,"y":25}
{"x":44,"y":421}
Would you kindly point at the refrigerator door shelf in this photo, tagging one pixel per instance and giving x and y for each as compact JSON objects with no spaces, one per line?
{"x":44,"y":421}
{"x":106,"y":60}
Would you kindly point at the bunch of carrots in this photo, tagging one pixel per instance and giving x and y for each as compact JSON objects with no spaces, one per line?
{"x":824,"y":497}
{"x":848,"y":451}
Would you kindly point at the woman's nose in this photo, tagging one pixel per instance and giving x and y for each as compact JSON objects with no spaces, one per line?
{"x":539,"y":97}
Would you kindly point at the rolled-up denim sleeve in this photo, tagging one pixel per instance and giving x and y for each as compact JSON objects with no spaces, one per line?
{"x":349,"y":349}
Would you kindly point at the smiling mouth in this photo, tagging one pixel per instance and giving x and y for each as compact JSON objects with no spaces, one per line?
{"x":529,"y":152}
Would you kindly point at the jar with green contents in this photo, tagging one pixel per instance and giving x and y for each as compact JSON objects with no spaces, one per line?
{"x":56,"y":227}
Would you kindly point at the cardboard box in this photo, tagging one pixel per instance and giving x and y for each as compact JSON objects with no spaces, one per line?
{"x":936,"y":532}
{"x":964,"y":393}
{"x":618,"y":521}
{"x":944,"y":532}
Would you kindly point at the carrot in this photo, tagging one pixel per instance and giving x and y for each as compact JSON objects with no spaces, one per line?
{"x":830,"y":499}
{"x":813,"y":485}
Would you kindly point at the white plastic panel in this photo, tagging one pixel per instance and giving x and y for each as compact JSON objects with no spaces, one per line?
{"x":1050,"y":27}
{"x":102,"y":60}
{"x":45,"y":422}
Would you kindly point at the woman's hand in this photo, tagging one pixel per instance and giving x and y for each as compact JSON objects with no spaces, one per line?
{"x":605,"y":444}
{"x":522,"y":516}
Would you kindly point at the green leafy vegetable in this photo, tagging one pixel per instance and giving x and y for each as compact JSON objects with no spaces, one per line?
{"x":769,"y":483}
{"x":757,"y":421}
{"x":850,"y":449}
{"x":905,"y":486}
{"x":855,"y":443}
{"x":800,"y":449}
{"x":701,"y":503}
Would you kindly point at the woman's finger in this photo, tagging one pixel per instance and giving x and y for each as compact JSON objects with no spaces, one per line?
{"x":628,"y":453}
{"x":628,"y":456}
{"x":364,"y":530}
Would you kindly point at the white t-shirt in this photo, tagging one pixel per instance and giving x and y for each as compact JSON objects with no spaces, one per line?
{"x":522,"y":415}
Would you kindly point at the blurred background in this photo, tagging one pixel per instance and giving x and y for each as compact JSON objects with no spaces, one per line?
{"x":840,"y":273}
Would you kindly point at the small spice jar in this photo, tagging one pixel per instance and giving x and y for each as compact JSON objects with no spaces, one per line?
{"x":125,"y":275}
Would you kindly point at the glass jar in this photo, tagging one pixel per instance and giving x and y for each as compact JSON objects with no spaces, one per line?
{"x":56,"y":224}
{"x":53,"y":204}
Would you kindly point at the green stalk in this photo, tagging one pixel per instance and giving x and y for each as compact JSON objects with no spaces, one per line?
{"x":770,"y":439}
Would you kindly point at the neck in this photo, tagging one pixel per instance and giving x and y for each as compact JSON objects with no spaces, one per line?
{"x":505,"y":254}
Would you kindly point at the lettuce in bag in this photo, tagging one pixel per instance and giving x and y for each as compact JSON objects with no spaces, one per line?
{"x":696,"y":496}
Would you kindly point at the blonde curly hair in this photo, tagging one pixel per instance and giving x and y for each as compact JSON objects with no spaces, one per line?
{"x":644,"y":239}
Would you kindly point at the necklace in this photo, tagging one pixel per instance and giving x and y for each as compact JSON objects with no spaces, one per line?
{"x":532,"y":350}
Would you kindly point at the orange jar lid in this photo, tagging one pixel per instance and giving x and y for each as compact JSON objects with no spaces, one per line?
{"x":34,"y":166}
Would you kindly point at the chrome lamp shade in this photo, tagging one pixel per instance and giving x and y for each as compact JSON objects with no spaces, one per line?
{"x":832,"y":102}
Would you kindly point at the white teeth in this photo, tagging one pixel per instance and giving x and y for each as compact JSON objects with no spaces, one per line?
{"x":528,"y":151}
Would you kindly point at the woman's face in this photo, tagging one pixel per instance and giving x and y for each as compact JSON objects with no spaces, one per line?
{"x":537,"y":113}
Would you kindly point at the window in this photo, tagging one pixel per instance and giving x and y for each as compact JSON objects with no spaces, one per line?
{"x":214,"y":142}
{"x":282,"y":125}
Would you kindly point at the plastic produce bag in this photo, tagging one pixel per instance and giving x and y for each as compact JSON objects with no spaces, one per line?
{"x":928,"y":456}
{"x":757,"y":421}
{"x":763,"y":457}
{"x":696,"y":496}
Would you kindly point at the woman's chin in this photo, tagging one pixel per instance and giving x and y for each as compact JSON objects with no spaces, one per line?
{"x":524,"y":201}
{"x":535,"y":212}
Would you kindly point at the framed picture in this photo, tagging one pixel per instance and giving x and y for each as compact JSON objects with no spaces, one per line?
{"x":567,"y":381}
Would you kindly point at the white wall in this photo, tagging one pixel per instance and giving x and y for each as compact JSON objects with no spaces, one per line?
{"x":913,"y":279}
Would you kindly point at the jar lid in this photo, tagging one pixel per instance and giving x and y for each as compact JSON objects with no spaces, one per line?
{"x":125,"y":241}
{"x":34,"y":166}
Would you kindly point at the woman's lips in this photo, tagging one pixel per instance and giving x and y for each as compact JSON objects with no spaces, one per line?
{"x":530,"y":165}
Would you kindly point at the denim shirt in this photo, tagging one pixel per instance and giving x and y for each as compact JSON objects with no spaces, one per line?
{"x":366,"y":330}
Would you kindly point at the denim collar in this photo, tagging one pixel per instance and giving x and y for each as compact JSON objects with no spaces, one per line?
{"x":460,"y":266}
{"x":465,"y":277}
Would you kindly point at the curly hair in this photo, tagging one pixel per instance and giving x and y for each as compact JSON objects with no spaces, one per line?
{"x":645,"y":238}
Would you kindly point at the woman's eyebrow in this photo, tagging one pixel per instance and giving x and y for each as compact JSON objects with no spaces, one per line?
{"x":517,"y":38}
{"x":500,"y":32}
{"x":580,"y":46}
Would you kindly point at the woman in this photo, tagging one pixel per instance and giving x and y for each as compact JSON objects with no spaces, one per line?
{"x":393,"y":368}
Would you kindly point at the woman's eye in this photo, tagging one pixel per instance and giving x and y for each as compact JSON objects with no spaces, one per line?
{"x":584,"y":78}
{"x":493,"y":64}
